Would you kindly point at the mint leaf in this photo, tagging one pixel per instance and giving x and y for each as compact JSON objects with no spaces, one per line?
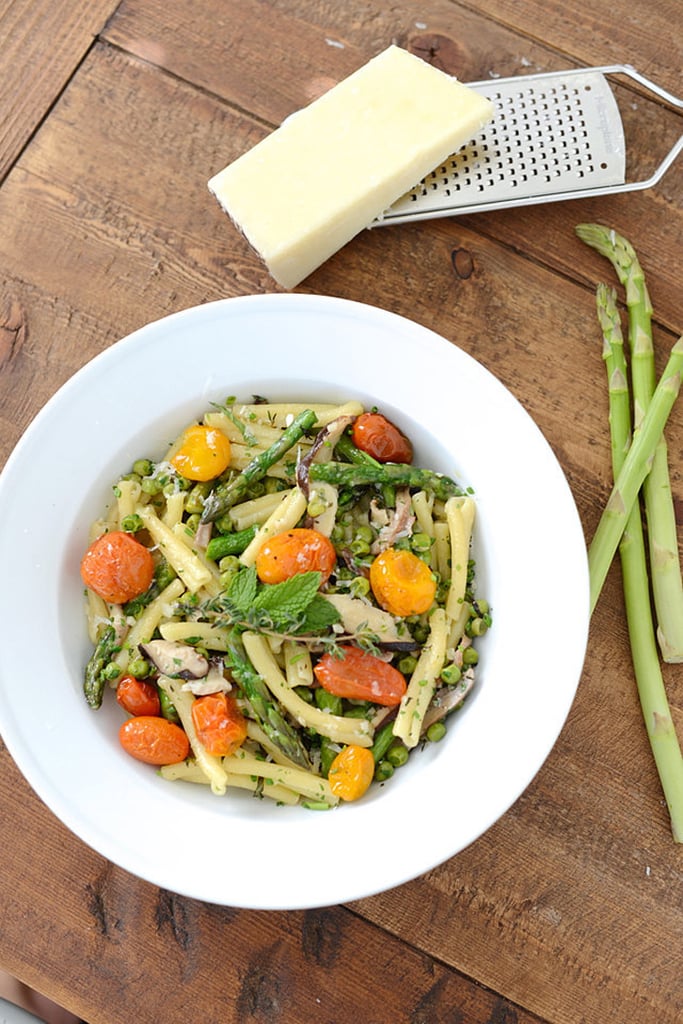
{"x":290,"y":598}
{"x":242,"y":590}
{"x":319,"y":615}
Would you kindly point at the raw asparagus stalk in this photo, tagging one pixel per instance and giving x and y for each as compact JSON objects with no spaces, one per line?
{"x":268,"y":714}
{"x":630,"y":478}
{"x":667,"y":580}
{"x":346,"y":474}
{"x":228,"y":494}
{"x":651,"y":691}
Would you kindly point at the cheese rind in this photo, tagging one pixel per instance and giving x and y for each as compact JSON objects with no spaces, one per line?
{"x":331,"y":168}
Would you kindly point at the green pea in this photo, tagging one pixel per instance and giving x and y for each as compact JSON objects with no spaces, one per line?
{"x":143,"y":467}
{"x":451,"y":674}
{"x":194,"y":502}
{"x":470,"y":656}
{"x":359,"y":547}
{"x":131,"y":523}
{"x":366,"y":533}
{"x":383,"y":771}
{"x":111,"y":671}
{"x":436,"y":732}
{"x":421,"y":543}
{"x":139,"y":667}
{"x":150,"y":485}
{"x":407,"y":664}
{"x":397,"y":755}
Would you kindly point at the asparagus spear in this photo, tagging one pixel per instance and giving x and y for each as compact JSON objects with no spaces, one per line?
{"x":228,"y":494}
{"x":651,"y":692}
{"x":346,"y":474}
{"x":667,"y":581}
{"x":269,"y":716}
{"x":630,"y":477}
{"x":95,"y":680}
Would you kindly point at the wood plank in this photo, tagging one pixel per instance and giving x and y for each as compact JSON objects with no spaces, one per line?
{"x":603,"y":32}
{"x":327,"y":965}
{"x":42,"y":44}
{"x":244,"y":61}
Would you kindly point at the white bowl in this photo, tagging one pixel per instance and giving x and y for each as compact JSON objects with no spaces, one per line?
{"x":530,"y":552}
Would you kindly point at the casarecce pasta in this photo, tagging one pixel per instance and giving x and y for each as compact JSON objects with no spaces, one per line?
{"x":283,"y":602}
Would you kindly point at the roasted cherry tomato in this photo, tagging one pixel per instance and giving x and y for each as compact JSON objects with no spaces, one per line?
{"x":117,"y":567}
{"x":379,"y":437}
{"x":204,"y":453}
{"x":402,"y":583}
{"x":295,"y":551}
{"x":360,"y":675}
{"x":351,"y":772}
{"x":154,"y":740}
{"x":221,"y":726}
{"x":137,"y":696}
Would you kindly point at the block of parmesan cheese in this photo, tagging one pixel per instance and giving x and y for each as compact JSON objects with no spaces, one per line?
{"x":331,"y":168}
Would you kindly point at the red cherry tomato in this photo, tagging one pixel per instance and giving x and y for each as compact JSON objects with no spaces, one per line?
{"x":379,"y":437}
{"x":221,"y":726}
{"x":154,"y":740}
{"x":138,"y":697}
{"x":295,"y":551}
{"x":117,"y":567}
{"x":359,"y":675}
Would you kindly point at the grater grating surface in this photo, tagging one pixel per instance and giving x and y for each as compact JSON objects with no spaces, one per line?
{"x":553,"y":136}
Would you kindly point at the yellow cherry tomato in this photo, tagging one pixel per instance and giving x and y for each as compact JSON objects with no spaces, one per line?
{"x":204,"y":453}
{"x":402,"y":583}
{"x":351,"y":772}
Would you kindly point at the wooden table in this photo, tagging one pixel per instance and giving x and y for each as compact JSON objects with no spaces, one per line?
{"x":112,"y":117}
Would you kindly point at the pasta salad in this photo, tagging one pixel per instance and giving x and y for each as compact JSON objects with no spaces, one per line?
{"x":284,"y":603}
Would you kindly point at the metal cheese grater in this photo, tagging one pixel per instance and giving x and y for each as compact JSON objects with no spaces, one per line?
{"x":553,"y":136}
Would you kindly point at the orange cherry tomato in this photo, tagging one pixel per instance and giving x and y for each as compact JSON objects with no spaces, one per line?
{"x":351,"y":772}
{"x":117,"y":567}
{"x":221,"y":726}
{"x":154,"y":740}
{"x":379,"y":437}
{"x":295,"y":551}
{"x":138,"y":697}
{"x":360,"y":675}
{"x":402,"y":583}
{"x":204,"y":453}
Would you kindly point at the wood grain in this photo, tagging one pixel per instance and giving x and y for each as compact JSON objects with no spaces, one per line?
{"x":42,"y":42}
{"x":569,"y":909}
{"x":244,"y":62}
{"x":165,"y":955}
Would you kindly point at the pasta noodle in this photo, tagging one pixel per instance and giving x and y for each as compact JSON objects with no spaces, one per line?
{"x":335,"y":727}
{"x":423,"y":681}
{"x":312,"y":594}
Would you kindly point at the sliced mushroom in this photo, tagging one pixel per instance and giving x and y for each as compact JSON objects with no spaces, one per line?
{"x":213,"y":682}
{"x":175,"y":659}
{"x":400,"y":524}
{"x":446,"y":699}
{"x":358,"y":615}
